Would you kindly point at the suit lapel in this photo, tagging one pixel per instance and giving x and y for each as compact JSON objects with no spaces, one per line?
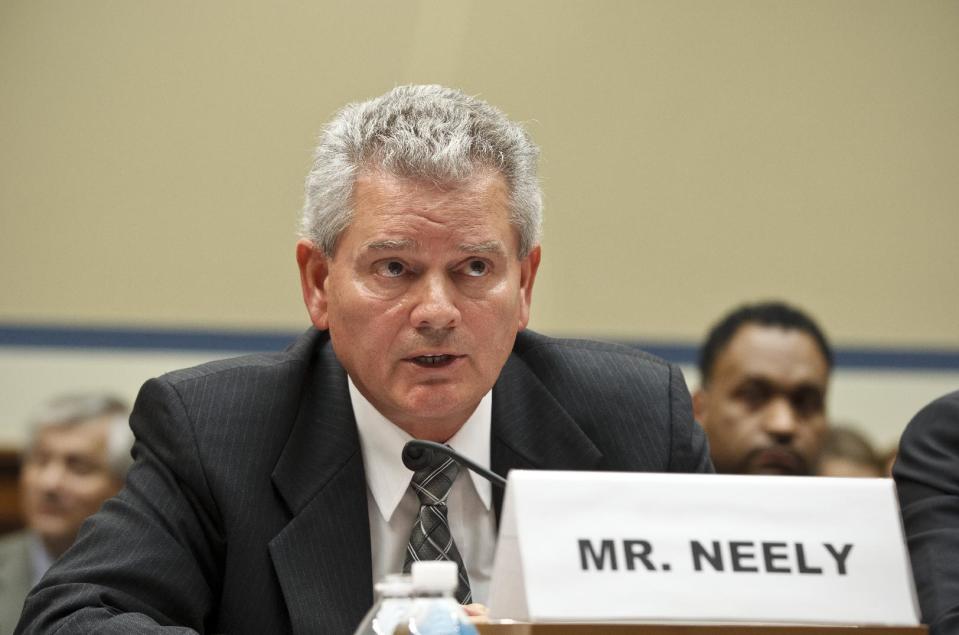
{"x":322,"y":557}
{"x":531,"y":430}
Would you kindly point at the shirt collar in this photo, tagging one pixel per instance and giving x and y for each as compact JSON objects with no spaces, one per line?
{"x":381,"y":442}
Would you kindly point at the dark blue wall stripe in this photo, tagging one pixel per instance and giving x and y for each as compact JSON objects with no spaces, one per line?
{"x":848,"y":357}
{"x":140,"y":339}
{"x":873,"y":358}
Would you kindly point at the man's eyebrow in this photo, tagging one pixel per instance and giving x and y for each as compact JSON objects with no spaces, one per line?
{"x":487,"y":247}
{"x":404,"y":244}
{"x":777,"y":386}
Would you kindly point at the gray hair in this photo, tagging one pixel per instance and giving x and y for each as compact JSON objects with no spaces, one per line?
{"x":429,"y":133}
{"x":77,"y":409}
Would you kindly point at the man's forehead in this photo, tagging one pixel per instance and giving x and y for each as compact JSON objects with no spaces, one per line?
{"x":776,"y":353}
{"x":90,"y":432}
{"x":494,"y":247}
{"x":398,"y":214}
{"x":383,"y":193}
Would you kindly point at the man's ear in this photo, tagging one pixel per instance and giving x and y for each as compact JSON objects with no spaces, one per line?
{"x":314,"y":269}
{"x":700,"y":402}
{"x":528,"y":268}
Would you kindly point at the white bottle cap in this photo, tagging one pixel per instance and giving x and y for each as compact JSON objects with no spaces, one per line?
{"x":434,"y":576}
{"x":394,"y":585}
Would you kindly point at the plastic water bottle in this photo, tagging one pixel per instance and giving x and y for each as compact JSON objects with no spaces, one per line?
{"x":394,"y":597}
{"x":434,"y":610}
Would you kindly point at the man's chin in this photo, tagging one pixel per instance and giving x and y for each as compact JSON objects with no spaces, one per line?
{"x":54,"y":533}
{"x":442,"y":399}
{"x":772,"y":470}
{"x":442,"y":414}
{"x":775,"y":461}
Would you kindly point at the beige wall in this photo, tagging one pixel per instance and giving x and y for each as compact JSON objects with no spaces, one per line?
{"x":695,"y":154}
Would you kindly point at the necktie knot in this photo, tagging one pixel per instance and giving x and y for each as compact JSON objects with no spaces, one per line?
{"x":432,"y":483}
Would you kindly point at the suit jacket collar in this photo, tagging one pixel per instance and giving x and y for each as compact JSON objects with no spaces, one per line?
{"x":531,"y":430}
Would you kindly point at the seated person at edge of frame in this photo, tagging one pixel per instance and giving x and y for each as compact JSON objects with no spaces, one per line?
{"x":927,"y":479}
{"x":268,"y":492}
{"x":764,"y":372}
{"x":76,"y":457}
{"x":847,"y":452}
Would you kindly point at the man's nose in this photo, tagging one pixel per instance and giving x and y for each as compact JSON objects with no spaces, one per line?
{"x":435,"y":306}
{"x":51,"y":476}
{"x":780,"y":421}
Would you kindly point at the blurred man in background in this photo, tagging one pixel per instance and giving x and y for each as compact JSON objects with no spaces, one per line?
{"x":764,"y":372}
{"x":76,"y":458}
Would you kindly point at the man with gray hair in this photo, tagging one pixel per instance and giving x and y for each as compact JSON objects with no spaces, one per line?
{"x":269,"y":492}
{"x":76,"y":457}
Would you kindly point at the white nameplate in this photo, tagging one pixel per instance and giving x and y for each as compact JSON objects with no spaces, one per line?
{"x":612,"y":546}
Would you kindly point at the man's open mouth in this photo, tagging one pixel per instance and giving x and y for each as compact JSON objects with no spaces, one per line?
{"x":433,"y":361}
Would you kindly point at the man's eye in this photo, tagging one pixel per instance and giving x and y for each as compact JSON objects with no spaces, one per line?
{"x":37,"y":458}
{"x":808,"y":402}
{"x":753,"y":395}
{"x":391,"y":268}
{"x":81,"y":466}
{"x":476,"y":268}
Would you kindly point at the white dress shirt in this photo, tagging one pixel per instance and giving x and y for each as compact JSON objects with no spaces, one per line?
{"x":393,"y":506}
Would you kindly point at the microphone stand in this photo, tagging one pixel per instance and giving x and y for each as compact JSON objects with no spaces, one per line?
{"x":417,"y":454}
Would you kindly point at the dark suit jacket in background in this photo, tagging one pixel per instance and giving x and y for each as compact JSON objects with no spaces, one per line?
{"x":927,"y":478}
{"x":246,"y":510}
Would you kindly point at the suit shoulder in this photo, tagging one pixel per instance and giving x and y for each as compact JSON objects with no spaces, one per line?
{"x":935,"y":423}
{"x":928,"y":451}
{"x":582,"y":373}
{"x":247,"y":391}
{"x":633,"y":406}
{"x":586,"y":355}
{"x":252,"y":367}
{"x":232,"y":410}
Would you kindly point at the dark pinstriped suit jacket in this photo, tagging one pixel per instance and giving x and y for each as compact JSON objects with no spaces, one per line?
{"x":927,"y":479}
{"x":246,"y":510}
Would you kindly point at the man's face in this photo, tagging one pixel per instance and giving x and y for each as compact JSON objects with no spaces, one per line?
{"x":423,"y":297}
{"x":64,"y":479}
{"x":764,"y":406}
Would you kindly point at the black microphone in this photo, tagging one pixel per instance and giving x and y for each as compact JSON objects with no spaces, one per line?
{"x":418,"y":454}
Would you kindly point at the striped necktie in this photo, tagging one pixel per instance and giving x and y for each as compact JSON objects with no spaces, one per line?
{"x":431,"y":538}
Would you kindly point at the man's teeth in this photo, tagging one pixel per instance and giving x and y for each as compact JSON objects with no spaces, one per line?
{"x":431,"y":359}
